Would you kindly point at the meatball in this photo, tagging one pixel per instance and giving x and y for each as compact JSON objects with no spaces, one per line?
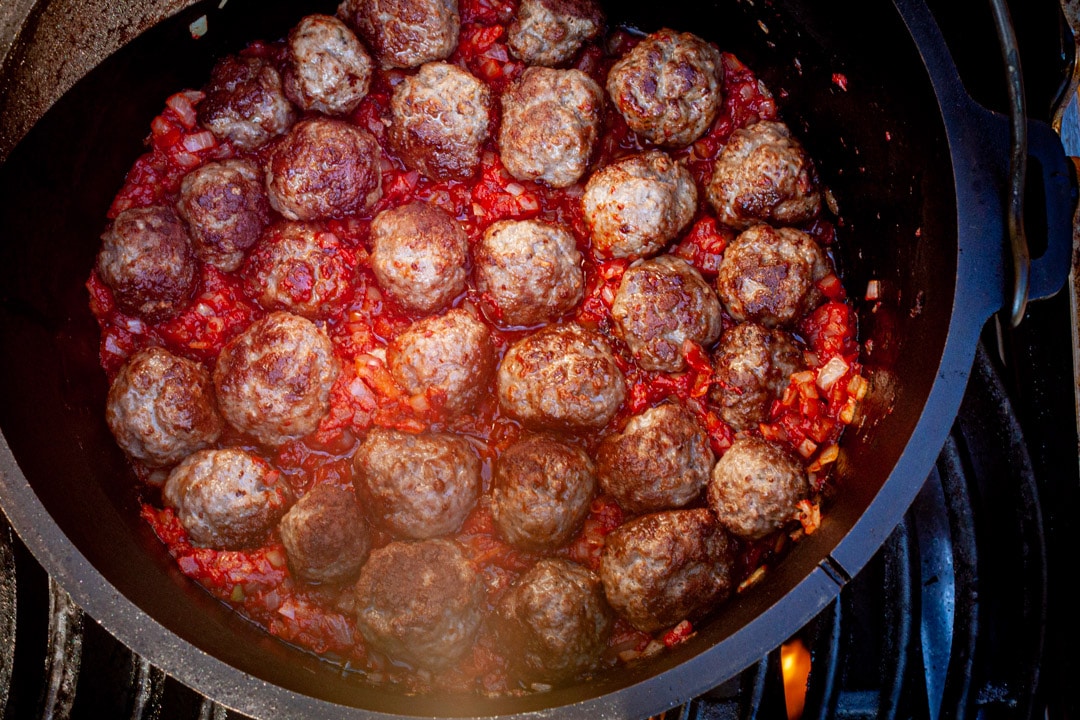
{"x":419,"y":255}
{"x":770,"y":275}
{"x":555,"y":622}
{"x":300,"y":268}
{"x":561,"y":376}
{"x":324,"y":168}
{"x":325,"y":535}
{"x":763,"y":175}
{"x":660,"y":460}
{"x":637,"y":205}
{"x":161,"y":407}
{"x":751,"y":367}
{"x":416,"y":486}
{"x":225,"y":207}
{"x":405,"y":33}
{"x":450,"y":358}
{"x":541,"y":491}
{"x":668,"y":88}
{"x":147,"y":261}
{"x":328,"y":70}
{"x":439,"y":120}
{"x":226,"y":499}
{"x":756,"y":487}
{"x":245,"y":102}
{"x":419,"y":602}
{"x":273,"y":380}
{"x":662,"y":303}
{"x":529,"y":271}
{"x":550,"y":124}
{"x":550,"y":32}
{"x":662,"y":568}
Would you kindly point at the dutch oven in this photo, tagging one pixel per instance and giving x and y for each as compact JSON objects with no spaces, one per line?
{"x":920,"y":176}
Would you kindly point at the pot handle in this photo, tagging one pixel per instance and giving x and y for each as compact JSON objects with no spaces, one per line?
{"x":1059,"y":194}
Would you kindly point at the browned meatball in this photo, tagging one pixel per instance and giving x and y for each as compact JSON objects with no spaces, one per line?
{"x":669,"y":87}
{"x":405,"y":33}
{"x":550,"y":123}
{"x":419,"y":255}
{"x":763,"y":175}
{"x":660,"y":460}
{"x":561,"y":376}
{"x":756,"y":487}
{"x":161,"y":407}
{"x":416,"y":486}
{"x":450,"y":358}
{"x":300,"y":268}
{"x":325,"y":535}
{"x":225,"y":207}
{"x":555,"y":622}
{"x":439,"y":121}
{"x":147,"y":262}
{"x":419,"y":602}
{"x":530,"y":271}
{"x":770,"y":275}
{"x":226,"y":499}
{"x":245,"y":103}
{"x":328,"y":70}
{"x":661,"y":303}
{"x":637,"y":205}
{"x":550,"y":32}
{"x":273,"y":380}
{"x":324,"y":168}
{"x":541,"y":490}
{"x":752,"y":366}
{"x":663,"y":568}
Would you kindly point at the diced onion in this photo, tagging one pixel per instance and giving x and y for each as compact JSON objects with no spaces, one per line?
{"x":873,"y":290}
{"x":832,"y":371}
{"x":181,"y":105}
{"x":199,"y":141}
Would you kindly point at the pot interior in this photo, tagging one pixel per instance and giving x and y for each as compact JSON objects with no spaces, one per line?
{"x":875,"y":131}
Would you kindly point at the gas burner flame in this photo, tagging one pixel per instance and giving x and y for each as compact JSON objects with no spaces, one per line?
{"x":795,"y":666}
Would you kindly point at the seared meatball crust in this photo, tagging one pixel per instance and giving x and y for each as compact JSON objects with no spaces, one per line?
{"x":300,"y":268}
{"x":416,"y":486}
{"x":550,"y":125}
{"x":562,"y":376}
{"x":661,"y":460}
{"x":756,"y":487}
{"x":440,"y":118}
{"x":541,"y":491}
{"x":324,"y":168}
{"x":449,"y":357}
{"x":637,"y":205}
{"x":328,"y":70}
{"x":161,"y":407}
{"x":225,"y":207}
{"x":273,"y":380}
{"x":770,"y":276}
{"x":555,"y":621}
{"x":763,"y":175}
{"x":529,"y":271}
{"x":226,"y":499}
{"x":663,"y":568}
{"x":147,"y":261}
{"x":419,"y":602}
{"x":405,"y":33}
{"x":669,"y":87}
{"x":419,"y":255}
{"x":662,"y":303}
{"x":245,"y":102}
{"x":751,"y":367}
{"x":325,"y":535}
{"x":550,"y":32}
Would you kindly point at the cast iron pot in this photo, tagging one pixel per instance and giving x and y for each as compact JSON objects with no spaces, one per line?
{"x":919,"y":174}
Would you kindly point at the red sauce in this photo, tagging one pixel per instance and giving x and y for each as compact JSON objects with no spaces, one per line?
{"x":257,"y":581}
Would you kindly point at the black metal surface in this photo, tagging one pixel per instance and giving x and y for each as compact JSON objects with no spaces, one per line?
{"x":886,"y":157}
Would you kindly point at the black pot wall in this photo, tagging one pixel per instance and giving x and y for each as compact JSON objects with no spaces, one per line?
{"x":881,"y":148}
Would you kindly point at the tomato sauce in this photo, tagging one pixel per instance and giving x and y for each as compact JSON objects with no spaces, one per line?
{"x":810,"y":415}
